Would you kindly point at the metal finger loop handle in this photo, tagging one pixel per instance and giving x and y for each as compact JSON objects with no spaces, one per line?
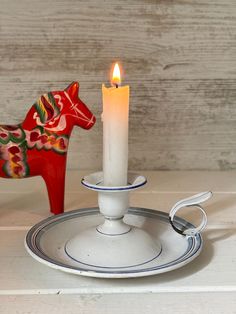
{"x":190,"y":202}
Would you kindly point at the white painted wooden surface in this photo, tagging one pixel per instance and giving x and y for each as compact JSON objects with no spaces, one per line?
{"x":208,"y":283}
{"x":207,"y":303}
{"x":178,"y":57}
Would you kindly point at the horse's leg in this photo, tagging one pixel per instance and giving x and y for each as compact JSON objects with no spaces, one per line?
{"x":55,"y":182}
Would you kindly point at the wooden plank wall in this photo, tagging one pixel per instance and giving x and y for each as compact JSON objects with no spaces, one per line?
{"x":179,"y":58}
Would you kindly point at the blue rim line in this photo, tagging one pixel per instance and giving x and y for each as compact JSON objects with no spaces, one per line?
{"x":194,"y":245}
{"x":125,"y":188}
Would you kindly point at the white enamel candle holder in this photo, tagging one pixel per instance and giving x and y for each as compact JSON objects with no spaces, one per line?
{"x":114,"y":243}
{"x":115,"y":240}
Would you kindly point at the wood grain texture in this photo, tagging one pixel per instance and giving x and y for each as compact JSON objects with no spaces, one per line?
{"x":178,"y":56}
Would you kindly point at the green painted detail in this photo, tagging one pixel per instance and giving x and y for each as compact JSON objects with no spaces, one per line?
{"x":10,"y":168}
{"x":15,"y":136}
{"x":38,"y":139}
{"x":41,"y":111}
{"x":44,"y":110}
{"x":53,"y":103}
{"x":57,"y":143}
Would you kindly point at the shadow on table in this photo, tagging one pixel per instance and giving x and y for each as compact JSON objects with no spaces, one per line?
{"x":210,"y":237}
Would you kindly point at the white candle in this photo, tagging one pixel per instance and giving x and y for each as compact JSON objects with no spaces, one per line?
{"x":115,"y":119}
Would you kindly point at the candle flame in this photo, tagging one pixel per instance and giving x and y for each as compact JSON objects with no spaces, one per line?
{"x":116,"y":80}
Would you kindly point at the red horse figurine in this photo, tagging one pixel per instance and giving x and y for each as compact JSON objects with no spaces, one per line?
{"x":39,"y":145}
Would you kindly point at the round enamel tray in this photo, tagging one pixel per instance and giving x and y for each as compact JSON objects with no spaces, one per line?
{"x":47,"y":240}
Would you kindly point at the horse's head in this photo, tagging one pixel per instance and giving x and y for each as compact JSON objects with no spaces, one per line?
{"x":59,"y":111}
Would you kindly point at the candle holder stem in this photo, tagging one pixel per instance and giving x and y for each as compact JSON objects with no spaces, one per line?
{"x":113,"y":206}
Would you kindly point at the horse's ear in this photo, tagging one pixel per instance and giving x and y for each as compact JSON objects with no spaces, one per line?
{"x":73,"y":90}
